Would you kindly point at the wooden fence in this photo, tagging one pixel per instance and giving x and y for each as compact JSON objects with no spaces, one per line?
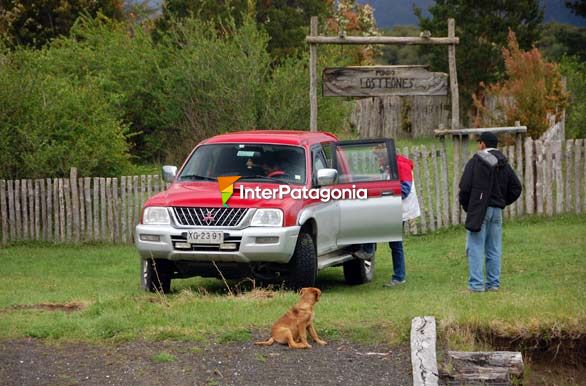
{"x":107,"y":209}
{"x":553,"y":174}
{"x":74,"y":209}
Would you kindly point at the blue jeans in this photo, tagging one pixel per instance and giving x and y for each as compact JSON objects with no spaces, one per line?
{"x":487,"y":243}
{"x":398,"y":258}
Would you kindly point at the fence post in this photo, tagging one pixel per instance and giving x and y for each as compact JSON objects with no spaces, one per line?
{"x":558,"y":172}
{"x":568,"y":171}
{"x":437,"y":184}
{"x":529,"y":174}
{"x":3,"y":211}
{"x":456,"y":174}
{"x":577,"y":162}
{"x":519,"y":156}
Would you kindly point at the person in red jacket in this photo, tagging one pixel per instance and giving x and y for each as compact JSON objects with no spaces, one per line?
{"x":410,"y":211}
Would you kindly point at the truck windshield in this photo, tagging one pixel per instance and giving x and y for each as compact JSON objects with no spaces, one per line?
{"x":250,"y":161}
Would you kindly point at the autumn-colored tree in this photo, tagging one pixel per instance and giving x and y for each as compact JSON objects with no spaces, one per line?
{"x":532,"y":90}
{"x":36,"y":22}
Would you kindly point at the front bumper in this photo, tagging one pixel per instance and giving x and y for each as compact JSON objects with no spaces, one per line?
{"x":248,"y":249}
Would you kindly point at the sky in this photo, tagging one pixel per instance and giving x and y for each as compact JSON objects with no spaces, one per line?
{"x":393,"y":12}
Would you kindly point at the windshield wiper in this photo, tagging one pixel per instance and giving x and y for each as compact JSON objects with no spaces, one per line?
{"x":196,"y":177}
{"x":259,"y":177}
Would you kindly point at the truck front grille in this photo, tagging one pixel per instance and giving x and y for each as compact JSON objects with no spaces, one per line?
{"x":210,"y":217}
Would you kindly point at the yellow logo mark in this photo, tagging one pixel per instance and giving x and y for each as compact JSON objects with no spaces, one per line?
{"x":226,"y":184}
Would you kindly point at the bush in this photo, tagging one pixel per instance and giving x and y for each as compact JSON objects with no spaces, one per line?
{"x":49,"y":124}
{"x":531,"y":91}
{"x":575,"y":72}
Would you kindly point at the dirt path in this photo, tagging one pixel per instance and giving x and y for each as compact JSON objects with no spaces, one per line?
{"x":34,"y":362}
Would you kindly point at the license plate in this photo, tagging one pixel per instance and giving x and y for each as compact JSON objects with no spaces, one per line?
{"x":205,"y":237}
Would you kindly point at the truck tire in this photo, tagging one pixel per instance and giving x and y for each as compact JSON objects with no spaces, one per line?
{"x":358,"y":271}
{"x":303,"y":265}
{"x":155,"y":275}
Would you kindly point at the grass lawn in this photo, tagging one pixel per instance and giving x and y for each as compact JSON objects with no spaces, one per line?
{"x":543,"y":292}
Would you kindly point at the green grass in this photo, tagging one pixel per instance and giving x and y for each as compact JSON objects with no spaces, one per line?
{"x":543,"y":287}
{"x":163,"y":357}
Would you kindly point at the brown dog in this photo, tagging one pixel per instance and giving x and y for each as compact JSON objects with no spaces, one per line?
{"x":292,"y":328}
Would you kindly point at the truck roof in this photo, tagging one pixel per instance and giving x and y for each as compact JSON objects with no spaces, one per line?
{"x":281,"y":137}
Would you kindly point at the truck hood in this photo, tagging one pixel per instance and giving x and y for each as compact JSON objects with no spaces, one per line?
{"x":207,"y":194}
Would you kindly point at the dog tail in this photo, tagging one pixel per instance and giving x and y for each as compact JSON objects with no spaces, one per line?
{"x":268,"y":342}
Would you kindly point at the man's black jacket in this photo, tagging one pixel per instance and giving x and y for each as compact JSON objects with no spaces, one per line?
{"x":488,"y":180}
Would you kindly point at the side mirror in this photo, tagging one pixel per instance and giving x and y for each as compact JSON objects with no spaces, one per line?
{"x":327,"y":177}
{"x":169,"y":173}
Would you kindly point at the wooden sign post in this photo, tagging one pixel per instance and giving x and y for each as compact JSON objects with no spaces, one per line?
{"x":382,"y":80}
{"x":379,"y":81}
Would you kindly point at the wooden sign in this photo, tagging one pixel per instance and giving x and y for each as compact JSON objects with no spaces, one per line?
{"x":383,"y":81}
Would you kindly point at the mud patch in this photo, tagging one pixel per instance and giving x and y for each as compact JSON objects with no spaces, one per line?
{"x":64,"y":307}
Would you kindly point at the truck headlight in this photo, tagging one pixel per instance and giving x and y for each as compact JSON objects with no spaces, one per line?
{"x":267,"y":218}
{"x":156,"y":215}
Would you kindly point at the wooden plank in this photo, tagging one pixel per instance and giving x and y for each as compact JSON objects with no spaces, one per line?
{"x":423,"y":355}
{"x":425,"y":155}
{"x":402,"y":40}
{"x":56,"y":211}
{"x":68,"y":209}
{"x":411,"y":225}
{"x":89,"y":220}
{"x":436,"y":184}
{"x":445,"y":182}
{"x":116,"y":210}
{"x":103,"y":210}
{"x":150,"y":185}
{"x":136,"y":202}
{"x":31,"y":208}
{"x":454,"y":93}
{"x":519,"y":169}
{"x":464,"y":156}
{"x":549,"y":179}
{"x":37,"y":212}
{"x":82,"y":223}
{"x":12,"y":210}
{"x":96,"y":199}
{"x":142,"y":191}
{"x":18,"y":210}
{"x":123,"y":211}
{"x":419,"y":188}
{"x":130,"y":210}
{"x":479,"y":130}
{"x":4,"y":211}
{"x":578,"y":145}
{"x":24,"y":208}
{"x":379,"y":81}
{"x":557,"y":167}
{"x":512,"y":162}
{"x":484,"y":367}
{"x":49,"y":200}
{"x":61,"y":203}
{"x":569,"y":152}
{"x":44,"y":217}
{"x":456,"y":181}
{"x":540,"y":176}
{"x":74,"y":219}
{"x":313,"y":31}
{"x":109,"y":211}
{"x":529,"y":176}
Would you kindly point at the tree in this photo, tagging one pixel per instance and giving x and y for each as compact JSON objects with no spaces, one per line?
{"x":532,"y":90}
{"x":562,"y":39}
{"x":482,"y":27}
{"x":36,"y":22}
{"x":286,"y":21}
{"x":578,"y":7}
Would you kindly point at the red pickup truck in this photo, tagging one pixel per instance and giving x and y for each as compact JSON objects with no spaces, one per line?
{"x":334,"y":196}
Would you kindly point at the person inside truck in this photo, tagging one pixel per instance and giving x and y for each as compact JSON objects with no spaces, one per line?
{"x":271,"y":165}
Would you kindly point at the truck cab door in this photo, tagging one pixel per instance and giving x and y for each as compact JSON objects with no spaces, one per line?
{"x":370,"y":165}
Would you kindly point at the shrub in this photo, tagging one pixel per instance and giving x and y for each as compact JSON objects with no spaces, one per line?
{"x":532,"y":90}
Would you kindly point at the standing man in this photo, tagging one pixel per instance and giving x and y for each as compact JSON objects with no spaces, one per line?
{"x":486,"y":187}
{"x":410,"y":211}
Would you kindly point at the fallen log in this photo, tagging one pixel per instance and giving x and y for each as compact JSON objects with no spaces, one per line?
{"x":485,"y":367}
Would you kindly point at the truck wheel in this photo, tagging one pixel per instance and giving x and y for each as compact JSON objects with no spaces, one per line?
{"x":303,"y":264}
{"x":358,"y":271}
{"x":155,"y":275}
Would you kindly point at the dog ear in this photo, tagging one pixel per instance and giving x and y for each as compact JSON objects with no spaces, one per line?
{"x":317,"y":293}
{"x":302,"y":291}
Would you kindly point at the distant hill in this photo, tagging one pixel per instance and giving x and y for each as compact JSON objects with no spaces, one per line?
{"x":392,"y":12}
